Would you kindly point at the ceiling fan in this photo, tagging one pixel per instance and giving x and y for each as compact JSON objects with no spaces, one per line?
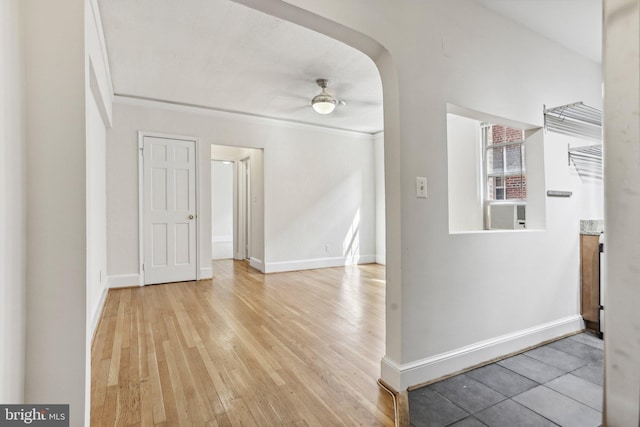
{"x":324,"y":102}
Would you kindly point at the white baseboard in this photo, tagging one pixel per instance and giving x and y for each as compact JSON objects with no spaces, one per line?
{"x":95,"y":318}
{"x":403,"y":376}
{"x":381,"y":259}
{"x":123,"y":281}
{"x":257,"y":264}
{"x":310,"y":264}
{"x":205,"y":273}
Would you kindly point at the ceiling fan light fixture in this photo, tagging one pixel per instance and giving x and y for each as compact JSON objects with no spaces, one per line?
{"x":323,"y":103}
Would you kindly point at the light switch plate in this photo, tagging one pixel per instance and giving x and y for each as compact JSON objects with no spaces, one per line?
{"x":421,"y":187}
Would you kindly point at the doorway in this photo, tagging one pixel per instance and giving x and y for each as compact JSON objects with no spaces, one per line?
{"x":236,"y":193}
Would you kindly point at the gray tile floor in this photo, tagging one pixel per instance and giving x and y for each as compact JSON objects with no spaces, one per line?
{"x":559,"y":384}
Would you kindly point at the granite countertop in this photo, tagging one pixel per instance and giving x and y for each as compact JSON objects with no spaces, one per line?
{"x":591,"y":227}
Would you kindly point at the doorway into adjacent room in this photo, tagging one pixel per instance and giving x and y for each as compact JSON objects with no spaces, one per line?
{"x":236,"y":188}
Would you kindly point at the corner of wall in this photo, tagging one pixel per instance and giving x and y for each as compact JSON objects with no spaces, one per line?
{"x":97,"y":315}
{"x":205,"y":273}
{"x":390,"y":373}
{"x":258,"y":264}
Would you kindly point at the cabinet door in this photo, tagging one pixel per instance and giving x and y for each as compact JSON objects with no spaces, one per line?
{"x":590,"y":279}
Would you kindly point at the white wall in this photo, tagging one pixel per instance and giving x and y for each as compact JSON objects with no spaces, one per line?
{"x":319,"y":201}
{"x":378,"y":148}
{"x":446,"y":308}
{"x":588,"y":190}
{"x":12,"y":205}
{"x":588,"y":193}
{"x":96,"y":212}
{"x":257,"y":244}
{"x":464,"y":160}
{"x":222,"y":209}
{"x":622,"y":230}
{"x":56,"y":198}
{"x":316,"y":183}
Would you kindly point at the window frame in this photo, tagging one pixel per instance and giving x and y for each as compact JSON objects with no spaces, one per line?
{"x":484,"y":129}
{"x":522,"y":171}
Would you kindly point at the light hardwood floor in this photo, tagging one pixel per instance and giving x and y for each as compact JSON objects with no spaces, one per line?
{"x":290,"y":349}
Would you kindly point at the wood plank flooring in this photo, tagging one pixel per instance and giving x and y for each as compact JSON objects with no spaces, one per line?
{"x":287,"y":349}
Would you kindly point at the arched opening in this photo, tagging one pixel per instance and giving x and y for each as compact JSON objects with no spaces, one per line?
{"x":341,"y":162}
{"x":390,"y":372}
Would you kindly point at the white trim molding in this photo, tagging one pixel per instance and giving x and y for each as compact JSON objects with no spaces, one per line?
{"x":403,"y":376}
{"x":95,"y":316}
{"x":310,"y":264}
{"x":205,"y":273}
{"x":123,"y":281}
{"x":134,"y":100}
{"x":257,"y":264}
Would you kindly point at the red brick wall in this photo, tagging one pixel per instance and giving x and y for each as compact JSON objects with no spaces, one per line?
{"x":499,"y":134}
{"x":514,"y":187}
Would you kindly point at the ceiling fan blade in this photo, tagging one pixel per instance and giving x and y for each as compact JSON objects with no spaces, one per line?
{"x":296,"y":109}
{"x":364,"y":104}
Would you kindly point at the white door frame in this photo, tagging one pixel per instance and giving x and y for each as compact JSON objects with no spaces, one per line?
{"x":244,"y":208}
{"x":196,"y":141}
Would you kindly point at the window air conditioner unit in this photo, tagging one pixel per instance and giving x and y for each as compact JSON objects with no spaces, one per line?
{"x":507,"y":217}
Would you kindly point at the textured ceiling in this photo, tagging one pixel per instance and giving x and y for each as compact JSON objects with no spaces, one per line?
{"x":222,"y":55}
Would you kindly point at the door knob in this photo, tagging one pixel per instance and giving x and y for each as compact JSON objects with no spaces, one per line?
{"x":190,"y":216}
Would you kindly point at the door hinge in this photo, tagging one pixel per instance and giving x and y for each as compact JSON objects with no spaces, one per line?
{"x":142,"y":267}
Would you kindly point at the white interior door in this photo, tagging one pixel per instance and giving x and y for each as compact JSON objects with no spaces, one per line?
{"x":169,"y":210}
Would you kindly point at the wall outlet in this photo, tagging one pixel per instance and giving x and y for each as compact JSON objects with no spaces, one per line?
{"x":421,"y":187}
